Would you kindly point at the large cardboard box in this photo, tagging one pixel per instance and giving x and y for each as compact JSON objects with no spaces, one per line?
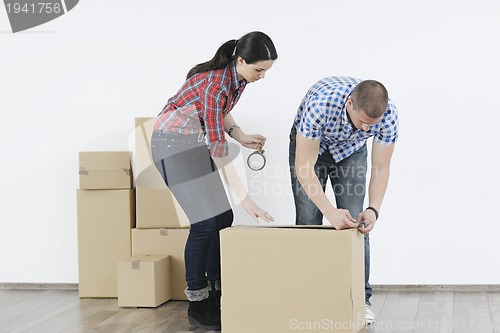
{"x":169,"y":242}
{"x":103,"y":170}
{"x":141,"y":146}
{"x":144,"y":281}
{"x":156,"y":206}
{"x":105,"y":218}
{"x":292,"y":279}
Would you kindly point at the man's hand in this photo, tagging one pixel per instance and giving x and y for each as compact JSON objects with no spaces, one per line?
{"x":340,"y":219}
{"x":368,"y":218}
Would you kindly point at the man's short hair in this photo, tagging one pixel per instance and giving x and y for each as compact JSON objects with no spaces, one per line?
{"x":371,"y":97}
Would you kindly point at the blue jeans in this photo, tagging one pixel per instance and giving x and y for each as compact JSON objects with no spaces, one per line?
{"x":191,"y":175}
{"x":348,"y":180}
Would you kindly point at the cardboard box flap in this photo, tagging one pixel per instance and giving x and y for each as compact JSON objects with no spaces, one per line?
{"x":289,"y":226}
{"x":104,"y":161}
{"x":145,"y":258}
{"x":141,"y":152}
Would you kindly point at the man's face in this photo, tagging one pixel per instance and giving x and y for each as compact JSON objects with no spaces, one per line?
{"x":359,"y":119}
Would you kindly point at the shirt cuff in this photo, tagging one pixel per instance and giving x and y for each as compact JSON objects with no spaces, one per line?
{"x":219,"y":149}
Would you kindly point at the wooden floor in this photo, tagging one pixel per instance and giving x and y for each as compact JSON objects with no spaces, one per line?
{"x":62,"y":311}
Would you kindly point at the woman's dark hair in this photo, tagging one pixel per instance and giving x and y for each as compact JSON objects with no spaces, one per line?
{"x":253,"y":47}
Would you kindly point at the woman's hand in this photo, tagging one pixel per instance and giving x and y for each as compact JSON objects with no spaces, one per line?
{"x":252,"y":141}
{"x":255,"y":211}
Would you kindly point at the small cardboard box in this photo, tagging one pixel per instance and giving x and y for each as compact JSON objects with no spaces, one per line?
{"x":144,"y":281}
{"x":105,"y":170}
{"x":105,"y":218}
{"x":170,"y":242}
{"x":156,"y":206}
{"x":286,"y":279}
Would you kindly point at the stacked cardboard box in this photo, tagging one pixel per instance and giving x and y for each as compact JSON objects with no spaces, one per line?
{"x":156,"y":206}
{"x":123,"y":215}
{"x":161,"y":225}
{"x":106,"y":214}
{"x":142,"y":281}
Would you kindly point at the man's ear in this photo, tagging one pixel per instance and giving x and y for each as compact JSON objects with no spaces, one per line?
{"x":349,"y":102}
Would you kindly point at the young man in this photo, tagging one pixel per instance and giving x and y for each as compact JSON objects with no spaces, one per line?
{"x":328,"y":141}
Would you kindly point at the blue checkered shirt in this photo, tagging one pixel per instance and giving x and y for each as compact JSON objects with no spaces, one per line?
{"x":322,"y":116}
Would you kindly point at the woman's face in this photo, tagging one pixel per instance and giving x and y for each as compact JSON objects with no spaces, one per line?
{"x":252,"y":72}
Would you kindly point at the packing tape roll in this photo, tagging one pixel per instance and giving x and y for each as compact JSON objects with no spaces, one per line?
{"x":253,"y":156}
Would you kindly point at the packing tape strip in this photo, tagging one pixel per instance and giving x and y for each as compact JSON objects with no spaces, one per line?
{"x":136,"y":264}
{"x":83,"y":171}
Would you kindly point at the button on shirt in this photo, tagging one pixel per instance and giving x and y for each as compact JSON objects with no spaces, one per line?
{"x":322,"y":116}
{"x":201,"y":105}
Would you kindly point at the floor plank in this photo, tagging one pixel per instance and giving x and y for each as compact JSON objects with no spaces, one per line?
{"x":74,"y":315}
{"x":471,"y":313}
{"x":398,"y":313}
{"x":5,"y":292}
{"x":57,"y":302}
{"x":36,"y":311}
{"x":494,"y":303}
{"x":378,"y":301}
{"x":21,"y":309}
{"x":435,"y":313}
{"x":12,"y":298}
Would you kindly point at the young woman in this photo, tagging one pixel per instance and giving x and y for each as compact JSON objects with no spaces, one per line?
{"x":189,"y":146}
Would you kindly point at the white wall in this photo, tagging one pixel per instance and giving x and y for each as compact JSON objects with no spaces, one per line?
{"x":77,"y":83}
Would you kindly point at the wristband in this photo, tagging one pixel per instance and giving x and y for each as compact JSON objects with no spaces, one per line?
{"x":374,"y":210}
{"x":231,"y":129}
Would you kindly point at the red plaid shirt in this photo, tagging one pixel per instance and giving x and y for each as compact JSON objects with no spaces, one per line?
{"x":201,"y":105}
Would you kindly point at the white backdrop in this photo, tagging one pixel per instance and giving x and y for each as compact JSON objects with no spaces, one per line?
{"x":76,"y":84}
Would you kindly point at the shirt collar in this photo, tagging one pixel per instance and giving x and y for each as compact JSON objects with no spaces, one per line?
{"x":344,"y":113}
{"x":234,"y":75}
{"x":345,"y":120}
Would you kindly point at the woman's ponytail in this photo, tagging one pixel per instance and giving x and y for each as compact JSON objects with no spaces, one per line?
{"x":223,"y":56}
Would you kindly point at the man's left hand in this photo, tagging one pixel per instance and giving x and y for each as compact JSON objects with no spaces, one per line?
{"x":367,"y":218}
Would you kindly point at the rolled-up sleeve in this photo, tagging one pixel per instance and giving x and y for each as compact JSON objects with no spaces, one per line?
{"x":213,"y":99}
{"x":313,"y":120}
{"x":389,"y":126}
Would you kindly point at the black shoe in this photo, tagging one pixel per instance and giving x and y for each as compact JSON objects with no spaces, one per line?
{"x":214,"y":295}
{"x":202,"y":315}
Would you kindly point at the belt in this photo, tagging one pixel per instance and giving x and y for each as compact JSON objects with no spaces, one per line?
{"x":180,"y":138}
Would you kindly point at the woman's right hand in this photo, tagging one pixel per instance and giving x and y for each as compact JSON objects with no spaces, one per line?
{"x":252,"y":141}
{"x":255,"y":211}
